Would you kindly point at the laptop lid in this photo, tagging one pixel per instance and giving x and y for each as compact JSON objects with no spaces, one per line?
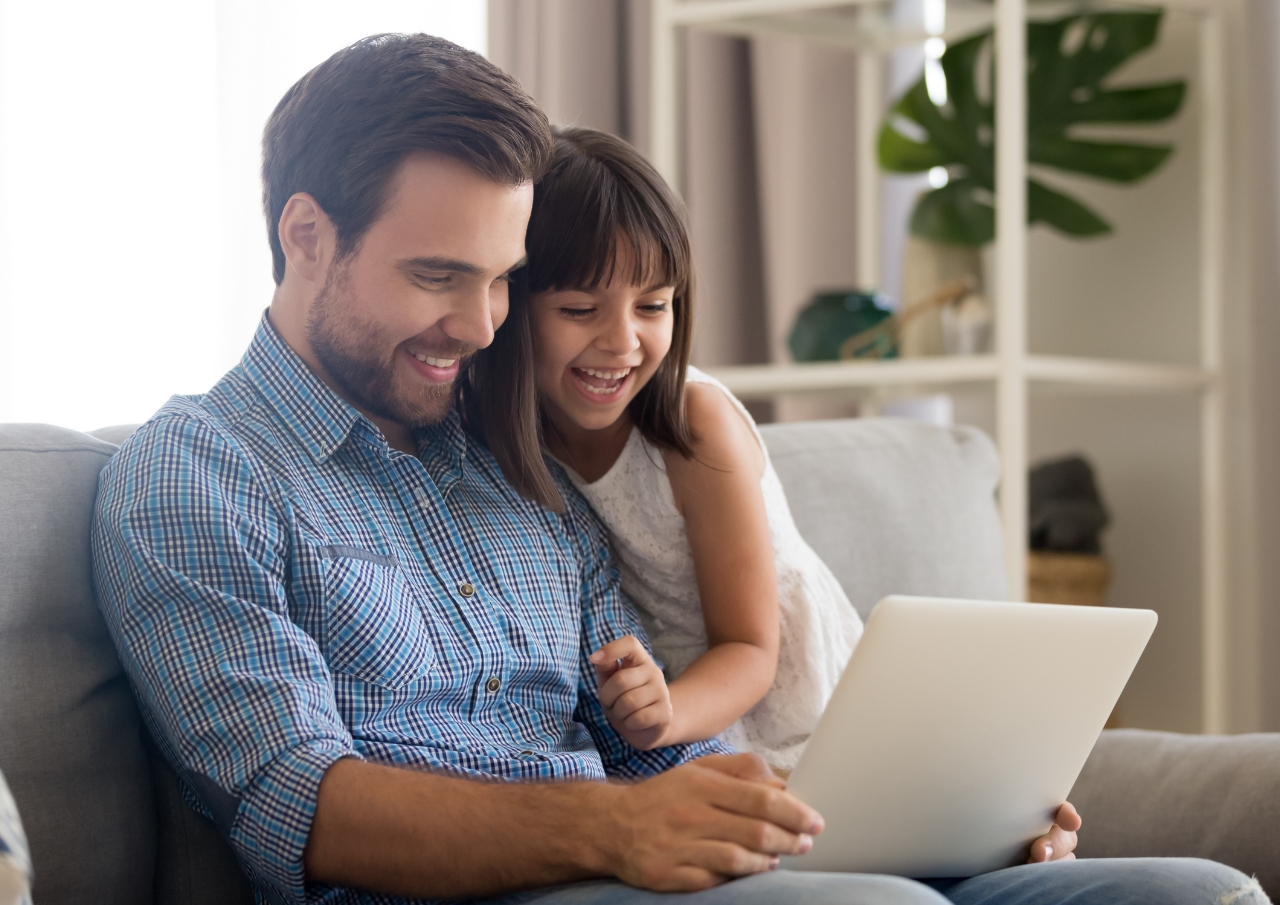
{"x":957,"y":730}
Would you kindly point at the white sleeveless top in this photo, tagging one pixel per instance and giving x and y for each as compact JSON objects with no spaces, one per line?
{"x":819,"y":626}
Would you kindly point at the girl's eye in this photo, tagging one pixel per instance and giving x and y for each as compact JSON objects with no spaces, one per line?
{"x":654,"y":308}
{"x":576,"y":313}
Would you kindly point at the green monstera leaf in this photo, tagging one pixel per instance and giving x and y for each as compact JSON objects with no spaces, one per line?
{"x":1068,"y":60}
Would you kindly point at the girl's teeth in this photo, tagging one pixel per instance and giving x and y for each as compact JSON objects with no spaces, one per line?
{"x":614,"y":377}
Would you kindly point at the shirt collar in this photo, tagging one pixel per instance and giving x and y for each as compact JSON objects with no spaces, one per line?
{"x":442,"y":448}
{"x":320,"y":418}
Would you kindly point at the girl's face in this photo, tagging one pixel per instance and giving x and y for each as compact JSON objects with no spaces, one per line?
{"x":595,"y":349}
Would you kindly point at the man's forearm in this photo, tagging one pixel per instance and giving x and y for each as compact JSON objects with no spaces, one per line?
{"x":424,"y":835}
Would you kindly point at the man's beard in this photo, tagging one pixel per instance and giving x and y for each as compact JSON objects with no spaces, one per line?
{"x":350,"y":350}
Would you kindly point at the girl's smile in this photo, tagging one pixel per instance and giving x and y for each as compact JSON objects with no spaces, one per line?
{"x":602,"y":386}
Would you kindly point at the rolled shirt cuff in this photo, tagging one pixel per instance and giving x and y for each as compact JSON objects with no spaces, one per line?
{"x":273,"y":819}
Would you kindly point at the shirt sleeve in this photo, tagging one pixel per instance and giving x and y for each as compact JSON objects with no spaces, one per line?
{"x":607,"y":616}
{"x":190,"y":564}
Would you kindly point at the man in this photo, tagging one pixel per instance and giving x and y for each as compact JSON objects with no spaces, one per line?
{"x":338,"y":616}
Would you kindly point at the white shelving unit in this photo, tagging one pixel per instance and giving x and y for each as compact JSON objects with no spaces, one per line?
{"x":864,"y":27}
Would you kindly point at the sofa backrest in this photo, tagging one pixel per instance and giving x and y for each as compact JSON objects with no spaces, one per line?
{"x":895,"y":506}
{"x":70,"y":737}
{"x":892,"y":506}
{"x":104,"y":813}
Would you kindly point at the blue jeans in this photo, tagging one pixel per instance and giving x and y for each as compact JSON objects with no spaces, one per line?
{"x":1118,"y":881}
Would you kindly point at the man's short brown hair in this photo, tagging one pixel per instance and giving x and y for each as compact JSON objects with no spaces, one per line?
{"x":341,"y":132}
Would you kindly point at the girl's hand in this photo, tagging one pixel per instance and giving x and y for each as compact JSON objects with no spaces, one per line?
{"x":633,"y":692}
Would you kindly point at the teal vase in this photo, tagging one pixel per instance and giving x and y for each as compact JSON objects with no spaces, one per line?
{"x":825,"y":323}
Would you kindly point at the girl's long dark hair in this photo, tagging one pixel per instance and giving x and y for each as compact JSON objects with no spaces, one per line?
{"x":599,"y":192}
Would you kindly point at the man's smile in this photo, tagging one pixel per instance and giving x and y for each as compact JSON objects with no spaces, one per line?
{"x":434,"y":362}
{"x":432,"y":368}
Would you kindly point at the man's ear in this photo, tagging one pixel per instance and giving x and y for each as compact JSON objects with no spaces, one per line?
{"x":307,"y":237}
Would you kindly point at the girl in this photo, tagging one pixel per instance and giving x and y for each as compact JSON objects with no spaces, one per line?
{"x":752,"y":627}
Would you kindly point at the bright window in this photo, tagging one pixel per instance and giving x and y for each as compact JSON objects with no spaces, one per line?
{"x":133,"y":254}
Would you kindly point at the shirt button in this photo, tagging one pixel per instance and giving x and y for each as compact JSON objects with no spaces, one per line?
{"x":526,"y":754}
{"x":467,"y":589}
{"x":493,"y":684}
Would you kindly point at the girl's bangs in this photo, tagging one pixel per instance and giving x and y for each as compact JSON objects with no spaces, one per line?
{"x":597,"y":227}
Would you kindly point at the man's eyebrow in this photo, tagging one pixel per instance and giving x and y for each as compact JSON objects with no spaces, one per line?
{"x":452,"y":265}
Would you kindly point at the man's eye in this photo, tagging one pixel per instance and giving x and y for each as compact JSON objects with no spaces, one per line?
{"x":434,"y":282}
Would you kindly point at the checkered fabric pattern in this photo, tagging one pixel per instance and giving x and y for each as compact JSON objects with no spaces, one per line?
{"x":15,"y":861}
{"x":286,"y":590}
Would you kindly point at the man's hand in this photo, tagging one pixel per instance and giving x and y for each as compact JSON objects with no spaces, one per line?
{"x":707,"y":822}
{"x":423,"y":835}
{"x":633,"y":693}
{"x":1059,"y":843}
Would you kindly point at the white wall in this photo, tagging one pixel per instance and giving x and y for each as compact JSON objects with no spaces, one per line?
{"x":133,"y":254}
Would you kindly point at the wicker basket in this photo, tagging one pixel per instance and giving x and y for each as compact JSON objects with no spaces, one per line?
{"x":1076,"y":578}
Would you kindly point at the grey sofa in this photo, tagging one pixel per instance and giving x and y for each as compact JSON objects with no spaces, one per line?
{"x":893,"y":506}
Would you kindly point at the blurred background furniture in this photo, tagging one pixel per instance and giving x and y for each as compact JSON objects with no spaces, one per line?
{"x":872,"y":29}
{"x":893,"y":506}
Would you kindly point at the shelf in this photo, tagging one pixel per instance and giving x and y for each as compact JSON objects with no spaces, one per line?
{"x":763,"y":381}
{"x":865,"y":25}
{"x":859,"y":26}
{"x":867,"y":28}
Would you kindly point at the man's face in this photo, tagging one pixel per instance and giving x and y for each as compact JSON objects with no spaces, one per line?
{"x":426,"y":287}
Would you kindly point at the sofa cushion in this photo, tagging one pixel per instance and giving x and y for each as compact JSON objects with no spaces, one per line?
{"x":116,"y":433}
{"x":70,"y":743}
{"x":895,"y":506}
{"x":194,"y":864}
{"x":1144,"y":794}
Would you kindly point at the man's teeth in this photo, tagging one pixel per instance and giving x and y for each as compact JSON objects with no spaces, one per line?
{"x":607,"y":375}
{"x":434,"y":362}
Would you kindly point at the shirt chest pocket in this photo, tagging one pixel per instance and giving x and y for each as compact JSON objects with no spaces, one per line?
{"x":376,"y":630}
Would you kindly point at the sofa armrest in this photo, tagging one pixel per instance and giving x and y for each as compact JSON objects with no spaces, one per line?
{"x":1162,"y":794}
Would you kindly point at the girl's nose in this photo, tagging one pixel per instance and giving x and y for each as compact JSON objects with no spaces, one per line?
{"x":619,"y":336}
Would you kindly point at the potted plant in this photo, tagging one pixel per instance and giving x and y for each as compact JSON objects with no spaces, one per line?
{"x":1069,"y":61}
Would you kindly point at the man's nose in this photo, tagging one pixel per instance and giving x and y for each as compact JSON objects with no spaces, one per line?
{"x":471,"y":322}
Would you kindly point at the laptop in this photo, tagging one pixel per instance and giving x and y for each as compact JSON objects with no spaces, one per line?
{"x":957,"y":730}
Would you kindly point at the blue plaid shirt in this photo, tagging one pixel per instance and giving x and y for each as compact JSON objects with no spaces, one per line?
{"x":15,"y":860}
{"x":286,"y":590}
